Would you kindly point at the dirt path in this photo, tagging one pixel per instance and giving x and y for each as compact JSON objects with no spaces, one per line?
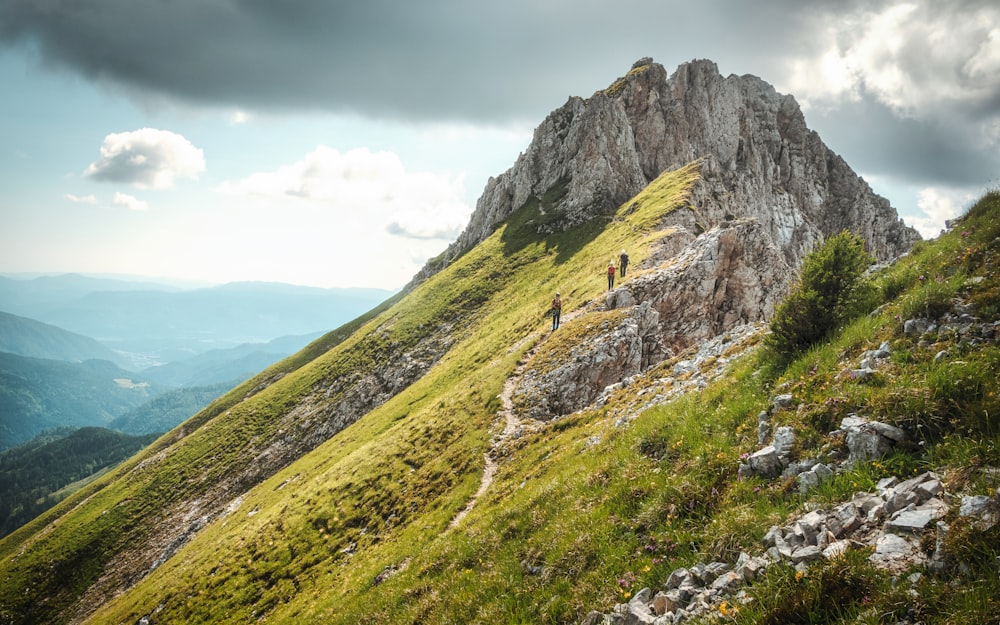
{"x":512,"y":424}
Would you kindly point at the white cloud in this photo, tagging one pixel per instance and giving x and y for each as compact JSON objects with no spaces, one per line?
{"x":81,"y":199}
{"x":129,"y":202}
{"x":374,"y":185}
{"x":147,"y":159}
{"x":912,"y":56}
{"x":938,"y":205}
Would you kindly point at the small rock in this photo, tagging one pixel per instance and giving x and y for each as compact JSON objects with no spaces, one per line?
{"x":806,"y":554}
{"x":726,"y":583}
{"x":677,"y":577}
{"x":782,"y":401}
{"x":982,"y":509}
{"x":843,"y":520}
{"x":895,"y":553}
{"x":914,"y":520}
{"x":861,"y":374}
{"x":765,"y":462}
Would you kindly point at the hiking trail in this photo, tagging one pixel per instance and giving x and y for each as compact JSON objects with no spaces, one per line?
{"x":513,"y":426}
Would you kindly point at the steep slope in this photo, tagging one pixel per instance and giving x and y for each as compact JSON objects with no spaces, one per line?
{"x":585,"y":511}
{"x":425,"y":372}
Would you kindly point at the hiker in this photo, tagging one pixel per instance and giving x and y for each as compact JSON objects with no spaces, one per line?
{"x":623,"y":263}
{"x":556,"y":311}
{"x":611,"y":274}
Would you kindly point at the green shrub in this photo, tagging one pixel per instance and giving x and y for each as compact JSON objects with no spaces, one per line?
{"x":831,"y":292}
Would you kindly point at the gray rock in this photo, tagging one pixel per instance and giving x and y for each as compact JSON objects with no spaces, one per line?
{"x":983,"y":510}
{"x":843,"y":520}
{"x":888,"y":431}
{"x":765,"y":462}
{"x":784,"y":440}
{"x":749,"y":568}
{"x":806,"y":554}
{"x":895,"y":553}
{"x":861,"y":374}
{"x":916,"y":519}
{"x":677,"y":577}
{"x":594,"y":618}
{"x":852,"y":421}
{"x":726,"y":583}
{"x":870,"y":440}
{"x":637,"y":611}
{"x":929,"y":489}
{"x":763,"y":427}
{"x":782,"y":401}
{"x":865,"y":502}
{"x":813,"y":477}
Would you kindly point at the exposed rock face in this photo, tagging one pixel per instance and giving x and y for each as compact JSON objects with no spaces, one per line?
{"x":731,"y":275}
{"x":760,"y":161}
{"x":622,"y":349}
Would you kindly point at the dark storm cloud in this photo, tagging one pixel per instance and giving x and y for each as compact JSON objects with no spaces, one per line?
{"x":454,"y":60}
{"x":932,"y":151}
{"x":432,"y":59}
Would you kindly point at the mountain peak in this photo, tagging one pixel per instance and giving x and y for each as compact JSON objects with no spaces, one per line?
{"x":759,"y":161}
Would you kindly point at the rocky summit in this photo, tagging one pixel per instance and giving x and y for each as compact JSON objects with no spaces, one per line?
{"x":759,"y":161}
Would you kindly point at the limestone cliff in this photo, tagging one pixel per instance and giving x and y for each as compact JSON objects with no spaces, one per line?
{"x":760,"y":161}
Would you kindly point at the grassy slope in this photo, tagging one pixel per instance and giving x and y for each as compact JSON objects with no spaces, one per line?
{"x":584,"y":513}
{"x":417,"y":457}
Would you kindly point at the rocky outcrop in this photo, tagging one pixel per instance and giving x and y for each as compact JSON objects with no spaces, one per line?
{"x":892,"y":523}
{"x":760,"y":161}
{"x":616,"y":350}
{"x":731,"y":275}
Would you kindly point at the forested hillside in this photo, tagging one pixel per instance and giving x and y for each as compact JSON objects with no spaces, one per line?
{"x":35,"y":476}
{"x":38,"y":394}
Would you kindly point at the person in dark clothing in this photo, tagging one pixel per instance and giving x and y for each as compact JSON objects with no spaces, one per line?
{"x":623,"y":263}
{"x":556,"y":311}
{"x":611,"y":275}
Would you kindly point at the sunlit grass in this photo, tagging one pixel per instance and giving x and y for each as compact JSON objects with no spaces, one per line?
{"x":583,"y":512}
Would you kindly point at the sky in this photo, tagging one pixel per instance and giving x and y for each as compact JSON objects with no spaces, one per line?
{"x":339,"y":144}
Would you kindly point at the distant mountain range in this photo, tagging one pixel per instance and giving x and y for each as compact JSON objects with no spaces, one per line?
{"x":150,"y":323}
{"x":225,"y":365}
{"x":27,"y":337}
{"x":71,"y":346}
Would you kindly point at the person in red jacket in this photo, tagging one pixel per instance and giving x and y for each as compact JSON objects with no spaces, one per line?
{"x":611,"y":274}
